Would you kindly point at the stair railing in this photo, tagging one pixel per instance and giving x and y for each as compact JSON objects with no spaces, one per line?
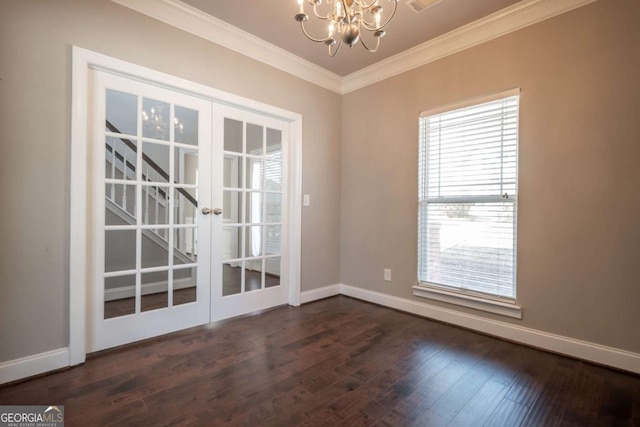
{"x":154,"y":195}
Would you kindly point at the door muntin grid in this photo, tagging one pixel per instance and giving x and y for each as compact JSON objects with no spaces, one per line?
{"x":151,"y":193}
{"x":252,"y":207}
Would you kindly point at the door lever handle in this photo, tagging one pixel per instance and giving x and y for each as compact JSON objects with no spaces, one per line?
{"x":215,"y":211}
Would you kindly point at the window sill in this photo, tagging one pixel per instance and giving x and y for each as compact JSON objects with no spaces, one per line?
{"x":470,"y":301}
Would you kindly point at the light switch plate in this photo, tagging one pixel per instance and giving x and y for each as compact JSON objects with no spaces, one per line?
{"x":306,"y":200}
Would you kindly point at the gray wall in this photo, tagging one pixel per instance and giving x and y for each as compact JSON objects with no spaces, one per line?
{"x":579,"y":190}
{"x":35,"y":103}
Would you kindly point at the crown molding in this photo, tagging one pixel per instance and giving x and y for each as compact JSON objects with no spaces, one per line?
{"x":194,"y":21}
{"x":505,"y":21}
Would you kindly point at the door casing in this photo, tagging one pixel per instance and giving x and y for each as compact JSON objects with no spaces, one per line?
{"x":80,"y":274}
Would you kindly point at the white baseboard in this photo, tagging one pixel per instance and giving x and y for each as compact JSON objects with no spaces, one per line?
{"x":584,"y":350}
{"x":320,"y":293}
{"x":147,"y":289}
{"x":33,"y":365}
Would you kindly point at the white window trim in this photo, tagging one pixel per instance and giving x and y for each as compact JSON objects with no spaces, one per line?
{"x":469,"y":299}
{"x":477,"y":302}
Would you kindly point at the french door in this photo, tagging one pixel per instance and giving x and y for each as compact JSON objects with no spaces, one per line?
{"x":188,"y":211}
{"x":251,"y":168}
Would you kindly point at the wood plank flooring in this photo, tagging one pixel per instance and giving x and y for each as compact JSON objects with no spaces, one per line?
{"x":339,"y":362}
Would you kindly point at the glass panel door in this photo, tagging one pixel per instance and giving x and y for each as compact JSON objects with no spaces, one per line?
{"x":152,"y":170}
{"x":251,"y":168}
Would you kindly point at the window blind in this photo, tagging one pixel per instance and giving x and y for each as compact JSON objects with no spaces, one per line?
{"x":468,"y":164}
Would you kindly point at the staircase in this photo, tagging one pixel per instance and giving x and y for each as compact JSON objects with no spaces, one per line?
{"x":120,"y":209}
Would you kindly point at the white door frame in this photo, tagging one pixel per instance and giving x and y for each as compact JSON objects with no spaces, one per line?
{"x":83,"y":61}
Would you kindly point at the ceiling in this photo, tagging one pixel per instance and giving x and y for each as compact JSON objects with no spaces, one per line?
{"x":274,"y":22}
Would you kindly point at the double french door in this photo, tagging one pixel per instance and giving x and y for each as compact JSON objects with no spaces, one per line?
{"x":188,"y":218}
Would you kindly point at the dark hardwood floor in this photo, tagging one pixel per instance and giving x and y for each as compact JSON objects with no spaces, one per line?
{"x":337,"y":361}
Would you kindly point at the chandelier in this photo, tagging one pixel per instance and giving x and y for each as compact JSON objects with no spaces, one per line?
{"x":346,"y":21}
{"x":154,"y":121}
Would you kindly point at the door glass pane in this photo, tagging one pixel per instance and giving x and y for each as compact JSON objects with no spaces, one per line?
{"x":120,"y":250}
{"x":154,"y":252}
{"x":274,"y":143}
{"x":155,"y":205}
{"x":255,"y":174}
{"x":186,"y":125}
{"x":233,"y":171}
{"x":273,"y":175}
{"x":119,"y":296}
{"x":231,"y":243}
{"x":184,"y":285}
{"x":232,"y":273}
{"x":155,"y":162}
{"x":233,"y":133}
{"x":186,"y":166}
{"x":272,"y":240}
{"x":120,"y":204}
{"x":253,"y":275}
{"x":156,"y":120}
{"x":273,"y":207}
{"x":253,"y":241}
{"x":185,"y":245}
{"x":232,"y":206}
{"x":120,"y":158}
{"x":154,"y":290}
{"x":272,"y":272}
{"x":254,"y":207}
{"x":255,"y":140}
{"x":185,"y":206}
{"x":121,"y":112}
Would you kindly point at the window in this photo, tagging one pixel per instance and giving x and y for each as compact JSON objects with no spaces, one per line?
{"x":468,"y":171}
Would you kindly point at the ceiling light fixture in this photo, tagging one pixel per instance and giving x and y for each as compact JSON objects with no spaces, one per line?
{"x":346,"y":20}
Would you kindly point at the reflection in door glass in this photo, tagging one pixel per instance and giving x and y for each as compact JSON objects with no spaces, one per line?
{"x":155,"y":162}
{"x":254,"y":207}
{"x":156,"y":121}
{"x":119,"y":296}
{"x":253,"y":241}
{"x":253,"y":274}
{"x":185,"y":125}
{"x":233,"y":171}
{"x":120,"y":250}
{"x":233,"y":134}
{"x":155,"y":290}
{"x":232,"y":273}
{"x":121,"y":112}
{"x":120,"y":204}
{"x":120,"y":158}
{"x":252,"y":250}
{"x":155,"y":204}
{"x":184,"y":285}
{"x":272,"y":272}
{"x":231,"y":243}
{"x":255,"y":140}
{"x":151,"y":197}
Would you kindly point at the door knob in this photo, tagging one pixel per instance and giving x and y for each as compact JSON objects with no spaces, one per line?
{"x":215,"y":211}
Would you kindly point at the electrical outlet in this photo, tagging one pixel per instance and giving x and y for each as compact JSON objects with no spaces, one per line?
{"x":387,"y":274}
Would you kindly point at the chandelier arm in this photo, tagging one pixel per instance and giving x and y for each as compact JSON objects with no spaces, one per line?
{"x":364,"y":6}
{"x":313,"y":39}
{"x":337,"y":48}
{"x":324,"y":18}
{"x":366,"y":26}
{"x":367,"y":47}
